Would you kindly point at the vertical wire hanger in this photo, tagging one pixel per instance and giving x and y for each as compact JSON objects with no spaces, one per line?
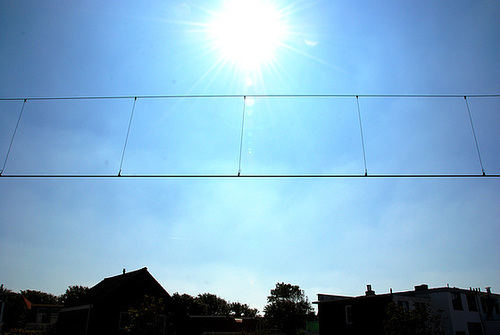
{"x":362,"y":136}
{"x":13,"y":136}
{"x":126,"y":138}
{"x":475,"y":138}
{"x":242,"y":130}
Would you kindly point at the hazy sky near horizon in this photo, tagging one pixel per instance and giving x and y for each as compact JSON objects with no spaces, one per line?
{"x":237,"y":237}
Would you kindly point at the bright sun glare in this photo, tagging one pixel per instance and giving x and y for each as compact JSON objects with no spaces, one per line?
{"x":247,"y":32}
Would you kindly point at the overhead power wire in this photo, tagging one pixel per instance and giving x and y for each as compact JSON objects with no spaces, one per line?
{"x":304,"y":176}
{"x":13,"y":136}
{"x":197,"y":96}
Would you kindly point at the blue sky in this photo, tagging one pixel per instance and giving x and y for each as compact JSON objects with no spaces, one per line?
{"x":237,"y":237}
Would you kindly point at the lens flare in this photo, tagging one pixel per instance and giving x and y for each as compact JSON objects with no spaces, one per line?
{"x":247,"y":33}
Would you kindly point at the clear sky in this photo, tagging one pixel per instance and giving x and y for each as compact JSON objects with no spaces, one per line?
{"x":237,"y":237}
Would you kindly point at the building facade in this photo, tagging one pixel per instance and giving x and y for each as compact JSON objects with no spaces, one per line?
{"x":463,"y":312}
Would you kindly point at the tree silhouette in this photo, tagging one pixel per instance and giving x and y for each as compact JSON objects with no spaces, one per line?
{"x":288,"y":309}
{"x":419,"y":321}
{"x":74,"y":295}
{"x":238,"y":309}
{"x":212,"y":304}
{"x":39,"y":297}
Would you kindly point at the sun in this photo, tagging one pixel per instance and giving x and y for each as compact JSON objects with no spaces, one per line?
{"x":247,"y":32}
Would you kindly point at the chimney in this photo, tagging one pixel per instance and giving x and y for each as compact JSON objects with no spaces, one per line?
{"x":423,"y":287}
{"x":124,"y":271}
{"x":369,"y":291}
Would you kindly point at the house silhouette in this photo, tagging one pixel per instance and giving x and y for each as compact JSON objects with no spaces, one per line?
{"x":105,"y":310}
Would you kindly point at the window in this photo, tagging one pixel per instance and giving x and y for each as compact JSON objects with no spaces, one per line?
{"x":404,"y":304}
{"x":54,"y":314}
{"x":456,"y":300}
{"x":471,"y":302}
{"x":483,"y":304}
{"x":42,"y":315}
{"x":348,"y":314}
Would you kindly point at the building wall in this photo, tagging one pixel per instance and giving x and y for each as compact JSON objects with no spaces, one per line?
{"x":74,"y":322}
{"x":465,"y":311}
{"x":458,"y":315}
{"x":353,"y":316}
{"x":491,"y":327}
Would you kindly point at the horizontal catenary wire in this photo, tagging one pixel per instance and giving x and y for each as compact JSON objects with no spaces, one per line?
{"x":194,"y":176}
{"x":198,"y":96}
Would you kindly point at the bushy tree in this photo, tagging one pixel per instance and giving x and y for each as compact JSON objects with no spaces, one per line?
{"x":288,"y":309}
{"x":181,"y":306}
{"x":238,"y":309}
{"x":14,"y":317}
{"x":419,"y":321}
{"x":39,"y":297}
{"x":212,"y":304}
{"x":74,"y":295}
{"x":185,"y":304}
{"x":4,"y":290}
{"x":206,"y":304}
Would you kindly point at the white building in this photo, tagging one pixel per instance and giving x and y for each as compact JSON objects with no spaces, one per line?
{"x":464,"y":311}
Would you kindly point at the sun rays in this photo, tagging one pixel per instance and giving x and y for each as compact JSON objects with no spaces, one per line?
{"x":249,"y":43}
{"x":247,"y":33}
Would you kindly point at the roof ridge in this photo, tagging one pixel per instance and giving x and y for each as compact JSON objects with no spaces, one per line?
{"x":128,"y":273}
{"x":109,"y":284}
